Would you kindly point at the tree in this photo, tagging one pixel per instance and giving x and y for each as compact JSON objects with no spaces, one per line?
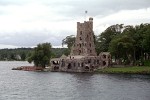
{"x":103,"y":40}
{"x":69,"y":40}
{"x":146,"y":42}
{"x":122,"y":48}
{"x":41,"y":55}
{"x":133,"y":44}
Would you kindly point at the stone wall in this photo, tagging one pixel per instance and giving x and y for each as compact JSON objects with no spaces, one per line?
{"x":81,"y":63}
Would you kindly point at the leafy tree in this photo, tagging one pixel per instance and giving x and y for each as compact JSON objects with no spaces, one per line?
{"x":146,"y":41}
{"x":133,"y":44}
{"x":69,"y":40}
{"x":41,"y":55}
{"x":103,"y":40}
{"x":122,"y":47}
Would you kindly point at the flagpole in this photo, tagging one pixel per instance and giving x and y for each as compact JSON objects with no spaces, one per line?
{"x":85,"y":14}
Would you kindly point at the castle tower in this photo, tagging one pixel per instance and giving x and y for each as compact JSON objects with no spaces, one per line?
{"x":84,"y":43}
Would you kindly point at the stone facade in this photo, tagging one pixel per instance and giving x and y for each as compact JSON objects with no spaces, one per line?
{"x":83,"y":57}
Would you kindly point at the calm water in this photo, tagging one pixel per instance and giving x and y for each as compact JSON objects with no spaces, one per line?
{"x":23,"y":85}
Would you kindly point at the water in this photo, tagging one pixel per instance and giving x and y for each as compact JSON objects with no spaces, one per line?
{"x":24,"y":85}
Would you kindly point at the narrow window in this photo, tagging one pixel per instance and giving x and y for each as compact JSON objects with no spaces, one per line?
{"x":79,"y":52}
{"x":87,"y":36}
{"x":82,"y":64}
{"x":80,"y":45}
{"x":74,"y":64}
{"x":97,"y":61}
{"x":90,"y":44}
{"x":78,"y":64}
{"x":80,"y":32}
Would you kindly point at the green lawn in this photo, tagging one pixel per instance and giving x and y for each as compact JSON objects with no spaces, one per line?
{"x":126,"y":70}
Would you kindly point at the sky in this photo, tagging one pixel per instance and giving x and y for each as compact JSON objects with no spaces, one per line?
{"x":26,"y":23}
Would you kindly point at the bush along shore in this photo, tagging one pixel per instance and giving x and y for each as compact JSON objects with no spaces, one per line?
{"x":126,"y":70}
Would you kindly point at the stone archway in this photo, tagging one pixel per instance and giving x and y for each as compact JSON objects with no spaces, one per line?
{"x":87,"y":68}
{"x":69,"y":66}
{"x":56,"y":68}
{"x":104,"y":63}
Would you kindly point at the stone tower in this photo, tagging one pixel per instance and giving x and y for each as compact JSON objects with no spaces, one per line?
{"x":84,"y":43}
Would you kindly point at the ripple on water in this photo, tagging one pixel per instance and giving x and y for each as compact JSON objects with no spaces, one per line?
{"x":23,"y":85}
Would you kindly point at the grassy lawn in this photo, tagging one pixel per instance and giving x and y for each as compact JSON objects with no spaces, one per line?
{"x":126,"y":70}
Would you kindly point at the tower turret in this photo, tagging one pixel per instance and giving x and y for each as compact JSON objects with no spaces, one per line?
{"x":84,"y":43}
{"x":91,"y":19}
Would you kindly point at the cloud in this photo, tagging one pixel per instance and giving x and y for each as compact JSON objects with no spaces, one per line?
{"x":29,"y":22}
{"x":127,"y":17}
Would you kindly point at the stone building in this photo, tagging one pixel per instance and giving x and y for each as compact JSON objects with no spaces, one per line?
{"x":83,"y":57}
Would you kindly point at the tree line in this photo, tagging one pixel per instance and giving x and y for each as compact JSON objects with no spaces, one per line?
{"x":22,"y":54}
{"x":19,"y":54}
{"x":129,"y":45}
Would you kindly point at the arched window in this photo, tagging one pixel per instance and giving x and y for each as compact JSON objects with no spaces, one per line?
{"x":69,"y":66}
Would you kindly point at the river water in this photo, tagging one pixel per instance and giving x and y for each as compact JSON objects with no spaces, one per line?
{"x":25,"y":85}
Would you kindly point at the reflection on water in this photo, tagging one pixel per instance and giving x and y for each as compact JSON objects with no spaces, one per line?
{"x":23,"y":85}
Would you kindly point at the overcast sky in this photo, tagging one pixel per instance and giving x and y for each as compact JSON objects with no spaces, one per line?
{"x":25,"y":23}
